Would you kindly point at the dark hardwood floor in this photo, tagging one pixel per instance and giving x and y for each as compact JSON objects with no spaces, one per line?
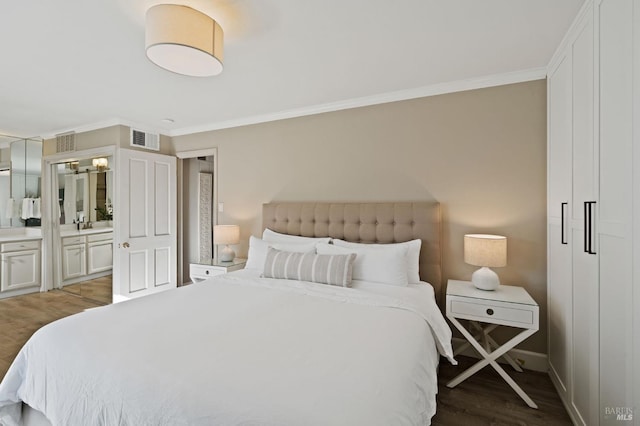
{"x":483,"y":399}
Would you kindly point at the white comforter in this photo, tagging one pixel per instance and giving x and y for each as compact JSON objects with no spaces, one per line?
{"x":238,"y":350}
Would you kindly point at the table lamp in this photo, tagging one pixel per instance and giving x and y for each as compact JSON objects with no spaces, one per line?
{"x":487,"y":251}
{"x":226,"y":234}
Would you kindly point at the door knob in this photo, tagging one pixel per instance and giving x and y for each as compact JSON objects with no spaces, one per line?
{"x":125,"y":245}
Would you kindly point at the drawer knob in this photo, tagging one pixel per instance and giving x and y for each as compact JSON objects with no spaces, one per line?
{"x":489,"y":311}
{"x":206,"y":272}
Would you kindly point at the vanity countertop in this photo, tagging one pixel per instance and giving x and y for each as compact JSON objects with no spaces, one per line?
{"x":20,"y":234}
{"x":89,"y":231}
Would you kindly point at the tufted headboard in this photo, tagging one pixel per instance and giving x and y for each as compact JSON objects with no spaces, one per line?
{"x":366,"y":223}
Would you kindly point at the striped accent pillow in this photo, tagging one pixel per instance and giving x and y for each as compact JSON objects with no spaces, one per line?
{"x":318,"y":268}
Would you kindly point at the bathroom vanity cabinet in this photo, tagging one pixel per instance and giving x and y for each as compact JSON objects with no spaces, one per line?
{"x":20,"y":265}
{"x":86,"y":254}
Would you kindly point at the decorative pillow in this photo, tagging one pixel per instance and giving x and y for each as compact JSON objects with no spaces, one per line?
{"x":413,"y":255}
{"x":276,"y":237}
{"x":318,"y":268}
{"x":258,"y":251}
{"x":381,"y":264}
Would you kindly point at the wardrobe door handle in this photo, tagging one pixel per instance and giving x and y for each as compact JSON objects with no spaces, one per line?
{"x":562,"y":213}
{"x":590,"y":233}
{"x":586,"y":226}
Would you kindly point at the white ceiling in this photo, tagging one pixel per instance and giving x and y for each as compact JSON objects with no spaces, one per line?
{"x":70,"y":63}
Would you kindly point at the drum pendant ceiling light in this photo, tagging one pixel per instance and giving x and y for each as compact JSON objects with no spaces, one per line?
{"x":183,"y":40}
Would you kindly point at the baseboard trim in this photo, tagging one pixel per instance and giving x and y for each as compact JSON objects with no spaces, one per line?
{"x":534,"y":361}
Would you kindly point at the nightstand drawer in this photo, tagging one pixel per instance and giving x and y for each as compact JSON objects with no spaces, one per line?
{"x":491,"y":312}
{"x":206,"y":271}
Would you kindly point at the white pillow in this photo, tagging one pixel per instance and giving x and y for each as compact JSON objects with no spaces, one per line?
{"x":413,"y":255}
{"x":385,"y":264}
{"x":276,"y":237}
{"x":258,"y":251}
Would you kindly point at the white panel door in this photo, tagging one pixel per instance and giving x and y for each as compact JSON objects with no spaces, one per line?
{"x":145,"y":225}
{"x":559,"y":235}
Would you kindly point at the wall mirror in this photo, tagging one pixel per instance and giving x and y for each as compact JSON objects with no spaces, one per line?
{"x":20,"y":181}
{"x":85,"y":191}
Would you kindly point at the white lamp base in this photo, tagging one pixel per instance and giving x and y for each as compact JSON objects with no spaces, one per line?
{"x":226,"y":254}
{"x":485,"y":279}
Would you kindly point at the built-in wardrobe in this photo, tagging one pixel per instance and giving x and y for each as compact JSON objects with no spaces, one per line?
{"x":593,"y":215}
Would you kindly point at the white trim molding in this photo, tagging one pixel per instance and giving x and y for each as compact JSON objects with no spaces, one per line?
{"x":569,"y":36}
{"x":108,"y":123}
{"x":381,"y":98}
{"x":399,"y":95}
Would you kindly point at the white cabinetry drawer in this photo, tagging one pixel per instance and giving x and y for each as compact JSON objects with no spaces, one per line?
{"x":20,"y":245}
{"x":69,"y":241}
{"x":91,"y":238}
{"x":492,"y":312}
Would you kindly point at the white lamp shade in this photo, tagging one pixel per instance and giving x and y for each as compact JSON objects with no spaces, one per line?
{"x":226,"y":234}
{"x":485,"y":250}
{"x":184,"y":40}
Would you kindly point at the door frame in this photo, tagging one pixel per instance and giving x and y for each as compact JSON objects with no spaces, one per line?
{"x":185,"y":155}
{"x":50,"y":225}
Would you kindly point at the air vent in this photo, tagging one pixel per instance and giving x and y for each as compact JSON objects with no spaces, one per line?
{"x":145,"y":140}
{"x":66,"y":142}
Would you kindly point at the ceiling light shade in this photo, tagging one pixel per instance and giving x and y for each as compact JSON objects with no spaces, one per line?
{"x":183,"y":40}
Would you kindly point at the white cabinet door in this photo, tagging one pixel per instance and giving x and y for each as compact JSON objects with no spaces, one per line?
{"x":99,"y":256}
{"x":20,"y":269}
{"x":616,"y":205}
{"x":73,"y":261}
{"x":559,"y":144}
{"x":145,"y":259}
{"x":584,"y":327}
{"x":559,"y":236}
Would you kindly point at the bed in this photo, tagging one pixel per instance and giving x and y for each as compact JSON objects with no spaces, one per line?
{"x":245,"y":349}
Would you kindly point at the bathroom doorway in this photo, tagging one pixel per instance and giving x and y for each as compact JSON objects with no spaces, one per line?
{"x":80,"y":235}
{"x":190,"y":231}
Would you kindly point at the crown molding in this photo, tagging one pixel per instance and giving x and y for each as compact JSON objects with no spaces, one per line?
{"x":104,"y":124}
{"x":400,"y":95}
{"x":570,"y":35}
{"x":382,"y":98}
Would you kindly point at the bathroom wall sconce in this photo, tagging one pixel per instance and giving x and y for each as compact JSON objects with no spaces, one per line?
{"x":101,"y":164}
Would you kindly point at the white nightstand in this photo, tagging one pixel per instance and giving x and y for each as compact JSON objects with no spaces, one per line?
{"x":204,"y":270}
{"x":507,"y":305}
